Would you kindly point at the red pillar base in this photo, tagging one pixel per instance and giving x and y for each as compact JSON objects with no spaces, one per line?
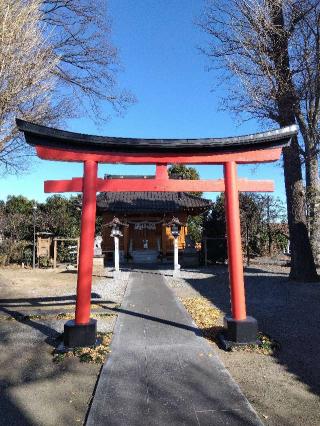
{"x":80,"y":335}
{"x":239,"y":332}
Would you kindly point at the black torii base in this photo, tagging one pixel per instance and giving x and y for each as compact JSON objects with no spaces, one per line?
{"x":239,"y":332}
{"x":80,"y":335}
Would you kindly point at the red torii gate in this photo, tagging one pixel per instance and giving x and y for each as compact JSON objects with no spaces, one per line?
{"x":59,"y":145}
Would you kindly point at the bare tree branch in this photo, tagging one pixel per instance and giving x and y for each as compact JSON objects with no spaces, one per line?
{"x":80,"y":33}
{"x":56,"y":62}
{"x":26,"y":79}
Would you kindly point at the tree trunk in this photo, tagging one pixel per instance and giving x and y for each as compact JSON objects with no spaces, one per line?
{"x":313,"y":202}
{"x":302,"y":262}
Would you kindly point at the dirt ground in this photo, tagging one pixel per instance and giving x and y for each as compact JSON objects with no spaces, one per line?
{"x":29,"y":283}
{"x":33,"y":389}
{"x":284,"y":388}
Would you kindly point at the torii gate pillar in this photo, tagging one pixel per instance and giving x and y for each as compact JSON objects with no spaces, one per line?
{"x":82,"y":331}
{"x":239,"y":328}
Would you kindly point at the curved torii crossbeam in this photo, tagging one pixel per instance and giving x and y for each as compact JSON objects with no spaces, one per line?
{"x":60,"y":145}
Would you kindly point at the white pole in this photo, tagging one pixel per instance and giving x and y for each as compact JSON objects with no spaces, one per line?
{"x":116,"y":254}
{"x":176,"y":260}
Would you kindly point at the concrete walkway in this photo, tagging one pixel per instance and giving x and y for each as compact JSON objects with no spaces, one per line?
{"x":160,"y":372}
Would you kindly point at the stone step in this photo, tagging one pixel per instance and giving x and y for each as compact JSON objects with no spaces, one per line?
{"x":144,"y":256}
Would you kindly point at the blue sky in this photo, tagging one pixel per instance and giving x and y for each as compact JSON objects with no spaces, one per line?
{"x":176,"y":95}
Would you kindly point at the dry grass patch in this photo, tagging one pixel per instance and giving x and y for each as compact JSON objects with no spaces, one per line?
{"x":62,"y":316}
{"x":206,"y":316}
{"x":208,"y":319}
{"x":267,"y":346}
{"x":96,"y":354}
{"x":71,"y":316}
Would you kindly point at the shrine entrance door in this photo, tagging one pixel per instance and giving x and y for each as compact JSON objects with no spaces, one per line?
{"x":146,"y":236}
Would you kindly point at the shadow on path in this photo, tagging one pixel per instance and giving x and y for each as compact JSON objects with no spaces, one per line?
{"x":46,"y":301}
{"x":10,"y":413}
{"x":50,"y":333}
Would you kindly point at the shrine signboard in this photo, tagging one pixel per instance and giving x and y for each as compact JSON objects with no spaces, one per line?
{"x":59,"y":145}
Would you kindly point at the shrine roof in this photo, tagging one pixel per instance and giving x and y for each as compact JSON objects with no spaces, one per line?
{"x":151,"y":202}
{"x":38,"y":135}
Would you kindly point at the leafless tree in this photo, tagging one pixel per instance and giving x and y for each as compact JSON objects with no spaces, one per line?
{"x":56,"y":62}
{"x":80,"y":35}
{"x":261,"y":45}
{"x":306,"y":79}
{"x":26,"y":79}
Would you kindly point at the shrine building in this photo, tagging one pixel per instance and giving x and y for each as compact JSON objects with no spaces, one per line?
{"x":148,"y":238}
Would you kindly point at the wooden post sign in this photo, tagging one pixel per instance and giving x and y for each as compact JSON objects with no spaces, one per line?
{"x":60,"y":145}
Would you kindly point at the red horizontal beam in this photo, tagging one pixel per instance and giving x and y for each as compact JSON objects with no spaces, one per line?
{"x":73,"y":185}
{"x":240,"y":157}
{"x":161,"y":185}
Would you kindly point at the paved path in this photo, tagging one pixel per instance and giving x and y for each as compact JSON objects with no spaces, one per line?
{"x":160,"y":372}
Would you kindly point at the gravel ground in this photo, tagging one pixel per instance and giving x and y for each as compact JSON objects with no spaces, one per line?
{"x":33,"y":389}
{"x":283,"y":388}
{"x":112,"y":288}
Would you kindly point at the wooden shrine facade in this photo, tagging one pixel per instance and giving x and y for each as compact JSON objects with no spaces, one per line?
{"x":60,"y":145}
{"x":148,"y":215}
